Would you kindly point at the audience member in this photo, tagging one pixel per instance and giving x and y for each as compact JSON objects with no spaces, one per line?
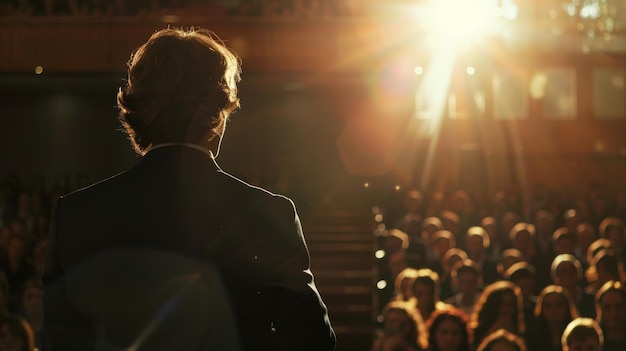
{"x":499,"y":307}
{"x":477,"y":243}
{"x":450,"y":259}
{"x":582,"y":334}
{"x":448,"y":331}
{"x":426,"y":293}
{"x":467,"y":277}
{"x":553,"y":311}
{"x":611,"y":315}
{"x":523,"y":275}
{"x":567,"y":272}
{"x":403,"y":329}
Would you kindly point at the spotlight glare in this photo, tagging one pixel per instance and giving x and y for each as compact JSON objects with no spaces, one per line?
{"x":418,"y":70}
{"x":38,"y":70}
{"x":378,"y":218}
{"x":470,"y":70}
{"x":381,"y":284}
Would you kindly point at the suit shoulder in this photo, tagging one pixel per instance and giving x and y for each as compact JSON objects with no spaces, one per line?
{"x":255,"y":194}
{"x":101,"y":186}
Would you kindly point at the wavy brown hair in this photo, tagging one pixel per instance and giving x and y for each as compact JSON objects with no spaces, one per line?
{"x":182,"y":86}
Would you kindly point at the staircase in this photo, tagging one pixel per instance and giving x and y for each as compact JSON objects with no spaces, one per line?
{"x":341,"y":244}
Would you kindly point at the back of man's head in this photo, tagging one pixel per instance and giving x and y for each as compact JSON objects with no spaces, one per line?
{"x":182,"y":86}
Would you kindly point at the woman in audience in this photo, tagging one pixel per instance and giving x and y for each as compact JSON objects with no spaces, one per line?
{"x":499,"y":307}
{"x":553,"y":311}
{"x":611,"y":315}
{"x":448,"y":331}
{"x":403,"y":329}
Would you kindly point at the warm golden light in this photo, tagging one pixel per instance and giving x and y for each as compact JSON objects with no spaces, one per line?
{"x":459,"y":24}
{"x":38,"y":70}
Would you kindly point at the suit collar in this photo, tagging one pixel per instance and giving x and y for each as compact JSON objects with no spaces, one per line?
{"x":179,"y":153}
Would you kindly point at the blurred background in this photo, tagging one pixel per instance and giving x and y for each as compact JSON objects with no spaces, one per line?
{"x":346,"y":106}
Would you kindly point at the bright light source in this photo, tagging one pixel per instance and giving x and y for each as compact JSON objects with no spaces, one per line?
{"x":470,"y":70}
{"x":381,"y":284}
{"x":366,"y":185}
{"x":459,"y":23}
{"x":397,"y":188}
{"x":379,"y":254}
{"x":419,"y":70}
{"x":38,"y":70}
{"x":378,"y":218}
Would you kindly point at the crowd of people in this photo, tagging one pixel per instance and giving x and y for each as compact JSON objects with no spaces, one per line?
{"x":25,"y":212}
{"x":467,"y":274}
{"x":542,"y":272}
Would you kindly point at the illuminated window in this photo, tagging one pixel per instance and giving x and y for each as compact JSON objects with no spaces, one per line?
{"x":556,"y":88}
{"x":608,"y":93}
{"x":510,"y":100}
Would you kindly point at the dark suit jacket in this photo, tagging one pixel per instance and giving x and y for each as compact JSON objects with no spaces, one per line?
{"x":178,"y":201}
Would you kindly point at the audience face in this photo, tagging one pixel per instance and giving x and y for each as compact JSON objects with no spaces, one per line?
{"x":442,"y":245}
{"x":522,"y":241}
{"x":468,"y":283}
{"x":508,"y":306}
{"x":554,"y":308}
{"x":567,"y":275}
{"x":613,"y":311}
{"x":448,"y":335}
{"x":475,"y":246}
{"x":424,"y":294}
{"x":397,"y":323}
{"x":526,"y":285}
